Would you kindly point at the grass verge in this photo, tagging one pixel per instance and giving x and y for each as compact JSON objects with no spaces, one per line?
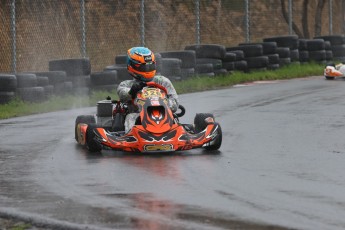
{"x":19,"y":108}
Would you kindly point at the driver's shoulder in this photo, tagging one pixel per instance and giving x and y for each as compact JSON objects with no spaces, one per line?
{"x":160,"y":78}
{"x":126,"y":83}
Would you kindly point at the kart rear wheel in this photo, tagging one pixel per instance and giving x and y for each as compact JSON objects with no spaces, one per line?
{"x":199,"y":121}
{"x":217,"y":142}
{"x":86,"y":119}
{"x":91,"y":144}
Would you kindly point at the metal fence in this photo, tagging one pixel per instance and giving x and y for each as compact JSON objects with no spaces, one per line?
{"x":33,"y":32}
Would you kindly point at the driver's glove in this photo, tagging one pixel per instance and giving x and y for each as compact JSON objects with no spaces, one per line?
{"x":136,"y":87}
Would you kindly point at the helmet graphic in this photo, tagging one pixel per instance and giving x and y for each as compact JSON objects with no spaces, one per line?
{"x":141,"y":63}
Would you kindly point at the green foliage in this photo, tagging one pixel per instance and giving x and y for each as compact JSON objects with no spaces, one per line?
{"x":198,"y":83}
{"x":21,"y":227}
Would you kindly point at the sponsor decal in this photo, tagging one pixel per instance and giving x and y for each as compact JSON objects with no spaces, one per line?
{"x":140,"y":102}
{"x":209,"y":120}
{"x":187,"y":147}
{"x":151,"y":93}
{"x":148,"y":58}
{"x":163,"y":147}
{"x":154,"y":102}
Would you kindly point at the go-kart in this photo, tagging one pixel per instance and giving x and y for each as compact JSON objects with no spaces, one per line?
{"x":157,"y":128}
{"x":333,"y":71}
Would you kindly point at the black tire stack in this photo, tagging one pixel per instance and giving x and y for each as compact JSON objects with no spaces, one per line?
{"x":337,"y":43}
{"x":269,"y":49}
{"x":27,"y":88}
{"x":303,"y":51}
{"x":77,"y":70}
{"x":104,"y":81}
{"x":229,"y":60}
{"x":8,"y":86}
{"x":316,"y":50}
{"x":253,"y":55}
{"x":239,"y":64}
{"x":120,"y":67}
{"x":54,"y":82}
{"x":171,"y":68}
{"x":209,"y":59}
{"x":329,"y":52}
{"x":287,"y":48}
{"x":187,"y":66}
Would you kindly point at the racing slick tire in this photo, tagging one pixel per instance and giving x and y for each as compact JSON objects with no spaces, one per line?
{"x":199,"y":121}
{"x":86,"y":119}
{"x":329,"y":78}
{"x":91,"y":144}
{"x":217,"y":142}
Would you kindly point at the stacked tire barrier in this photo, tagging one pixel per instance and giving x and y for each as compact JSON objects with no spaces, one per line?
{"x":120,"y":67}
{"x":316,"y":50}
{"x":253,"y":55}
{"x":77,"y":71}
{"x":329,"y":52}
{"x":303,"y":51}
{"x":184,"y":68}
{"x":209,"y":59}
{"x":287,"y":48}
{"x":8,"y":86}
{"x":229,"y":61}
{"x":269,"y":50}
{"x":104,"y":81}
{"x":239,"y":64}
{"x":171,"y":68}
{"x":28,"y":89}
{"x":54,"y":82}
{"x":68,"y":76}
{"x":337,"y":46}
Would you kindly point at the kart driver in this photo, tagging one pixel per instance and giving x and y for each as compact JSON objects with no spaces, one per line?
{"x":141,"y":65}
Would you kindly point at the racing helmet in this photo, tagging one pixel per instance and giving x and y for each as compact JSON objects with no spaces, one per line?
{"x":141,"y":63}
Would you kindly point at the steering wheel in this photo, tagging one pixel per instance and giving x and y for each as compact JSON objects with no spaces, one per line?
{"x":154,"y":84}
{"x":183,"y":111}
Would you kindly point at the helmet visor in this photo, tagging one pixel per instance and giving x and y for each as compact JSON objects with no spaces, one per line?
{"x":144,"y":67}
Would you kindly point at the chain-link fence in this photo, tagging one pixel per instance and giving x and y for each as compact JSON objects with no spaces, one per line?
{"x":33,"y":32}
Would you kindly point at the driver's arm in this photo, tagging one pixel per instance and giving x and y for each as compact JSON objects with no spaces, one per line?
{"x":172,"y":95}
{"x":123,"y":89}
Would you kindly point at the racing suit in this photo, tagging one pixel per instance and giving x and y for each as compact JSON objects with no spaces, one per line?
{"x":124,"y":96}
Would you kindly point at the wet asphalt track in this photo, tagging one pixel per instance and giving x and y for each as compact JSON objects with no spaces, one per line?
{"x":281,"y":164}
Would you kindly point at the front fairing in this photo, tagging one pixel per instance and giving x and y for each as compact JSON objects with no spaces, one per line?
{"x":139,"y":140}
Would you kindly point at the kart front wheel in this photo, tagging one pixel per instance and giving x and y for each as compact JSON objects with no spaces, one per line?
{"x":217,"y":141}
{"x":91,"y":144}
{"x":86,"y":119}
{"x":200,"y":122}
